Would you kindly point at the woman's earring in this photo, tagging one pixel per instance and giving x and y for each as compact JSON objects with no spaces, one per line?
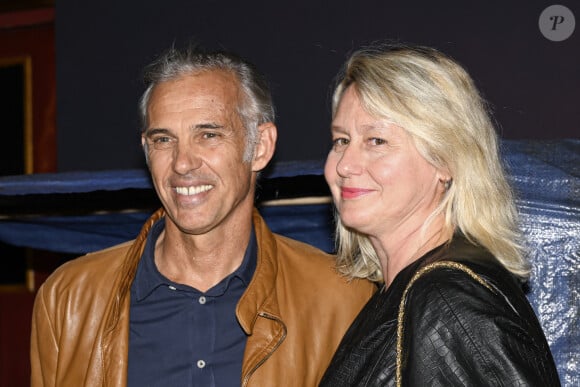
{"x":447,"y":184}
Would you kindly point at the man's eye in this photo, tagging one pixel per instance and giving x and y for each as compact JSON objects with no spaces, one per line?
{"x":162,"y":142}
{"x":210,"y":135}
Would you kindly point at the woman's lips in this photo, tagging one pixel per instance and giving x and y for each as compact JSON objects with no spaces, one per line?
{"x":352,"y":193}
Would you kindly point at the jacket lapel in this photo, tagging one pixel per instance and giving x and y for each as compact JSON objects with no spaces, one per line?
{"x":115,"y":328}
{"x":258,"y":310}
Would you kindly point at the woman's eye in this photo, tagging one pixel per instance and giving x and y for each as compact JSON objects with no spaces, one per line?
{"x":377,"y":141}
{"x":339,"y":142}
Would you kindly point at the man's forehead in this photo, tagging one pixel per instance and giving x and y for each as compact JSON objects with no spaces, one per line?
{"x":213,"y":77}
{"x":216,"y":83}
{"x":206,"y":97}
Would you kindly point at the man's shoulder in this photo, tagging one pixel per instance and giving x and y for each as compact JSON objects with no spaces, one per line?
{"x":285,"y":246}
{"x":312,"y":255}
{"x":315,"y":267}
{"x":90,"y":269}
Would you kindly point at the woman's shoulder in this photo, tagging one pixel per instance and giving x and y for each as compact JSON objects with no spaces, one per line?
{"x":473,"y":296}
{"x":469,"y":304}
{"x":466,"y":281}
{"x":466,"y":274}
{"x":461,"y":259}
{"x":452,"y":284}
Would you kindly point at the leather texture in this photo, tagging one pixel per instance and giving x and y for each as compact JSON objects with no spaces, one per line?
{"x":457,"y":332}
{"x":295,"y":311}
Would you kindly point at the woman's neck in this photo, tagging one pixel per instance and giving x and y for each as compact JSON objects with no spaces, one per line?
{"x":398,"y":251}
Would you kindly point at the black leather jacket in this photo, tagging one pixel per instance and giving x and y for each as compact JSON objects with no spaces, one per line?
{"x":457,"y":332}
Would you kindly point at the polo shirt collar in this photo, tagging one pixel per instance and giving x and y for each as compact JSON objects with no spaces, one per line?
{"x":148,"y":277}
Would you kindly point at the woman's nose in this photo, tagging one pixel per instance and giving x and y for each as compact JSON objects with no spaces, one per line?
{"x":349,"y":162}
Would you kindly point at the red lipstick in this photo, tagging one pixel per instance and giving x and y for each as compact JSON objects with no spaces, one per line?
{"x":352,"y":193}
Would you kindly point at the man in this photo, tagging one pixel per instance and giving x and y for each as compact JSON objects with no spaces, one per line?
{"x":206,"y":295}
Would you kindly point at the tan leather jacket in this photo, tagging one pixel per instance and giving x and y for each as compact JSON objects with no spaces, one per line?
{"x":295,"y":311}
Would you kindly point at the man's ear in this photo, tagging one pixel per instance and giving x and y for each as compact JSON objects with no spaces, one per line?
{"x":264,"y":151}
{"x":145,"y":148}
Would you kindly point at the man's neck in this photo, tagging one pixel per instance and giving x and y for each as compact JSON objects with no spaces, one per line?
{"x":201,"y":261}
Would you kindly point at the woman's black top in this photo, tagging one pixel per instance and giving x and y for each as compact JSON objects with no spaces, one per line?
{"x":457,"y":332}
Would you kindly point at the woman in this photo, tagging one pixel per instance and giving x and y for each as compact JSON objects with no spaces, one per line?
{"x":425,"y":209}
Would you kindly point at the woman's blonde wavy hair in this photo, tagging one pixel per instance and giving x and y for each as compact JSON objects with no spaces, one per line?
{"x":434,"y":99}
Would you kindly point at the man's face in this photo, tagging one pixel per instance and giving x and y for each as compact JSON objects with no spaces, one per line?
{"x":196,"y":142}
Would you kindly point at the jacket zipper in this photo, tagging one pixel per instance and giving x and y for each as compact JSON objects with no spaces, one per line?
{"x":274,"y":318}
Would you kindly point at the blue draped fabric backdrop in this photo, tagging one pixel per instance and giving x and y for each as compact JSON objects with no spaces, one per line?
{"x":545,"y":174}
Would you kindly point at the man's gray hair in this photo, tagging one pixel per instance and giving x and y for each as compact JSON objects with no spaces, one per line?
{"x":255,"y":107}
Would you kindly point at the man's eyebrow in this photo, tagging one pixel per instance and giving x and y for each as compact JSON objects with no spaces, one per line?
{"x":153,"y":131}
{"x":209,"y":125}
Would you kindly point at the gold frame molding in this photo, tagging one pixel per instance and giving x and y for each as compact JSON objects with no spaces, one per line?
{"x":28,"y":133}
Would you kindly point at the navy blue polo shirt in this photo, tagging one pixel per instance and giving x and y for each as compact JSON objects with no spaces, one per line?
{"x":180,"y":336}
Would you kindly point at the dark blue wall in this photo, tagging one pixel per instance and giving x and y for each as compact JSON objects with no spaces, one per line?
{"x":532,"y":83}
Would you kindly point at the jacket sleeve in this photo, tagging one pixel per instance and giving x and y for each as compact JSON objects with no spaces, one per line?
{"x":458,"y":332}
{"x":43,"y":344}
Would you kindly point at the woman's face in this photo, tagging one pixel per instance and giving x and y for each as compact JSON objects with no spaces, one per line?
{"x":380,"y":183}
